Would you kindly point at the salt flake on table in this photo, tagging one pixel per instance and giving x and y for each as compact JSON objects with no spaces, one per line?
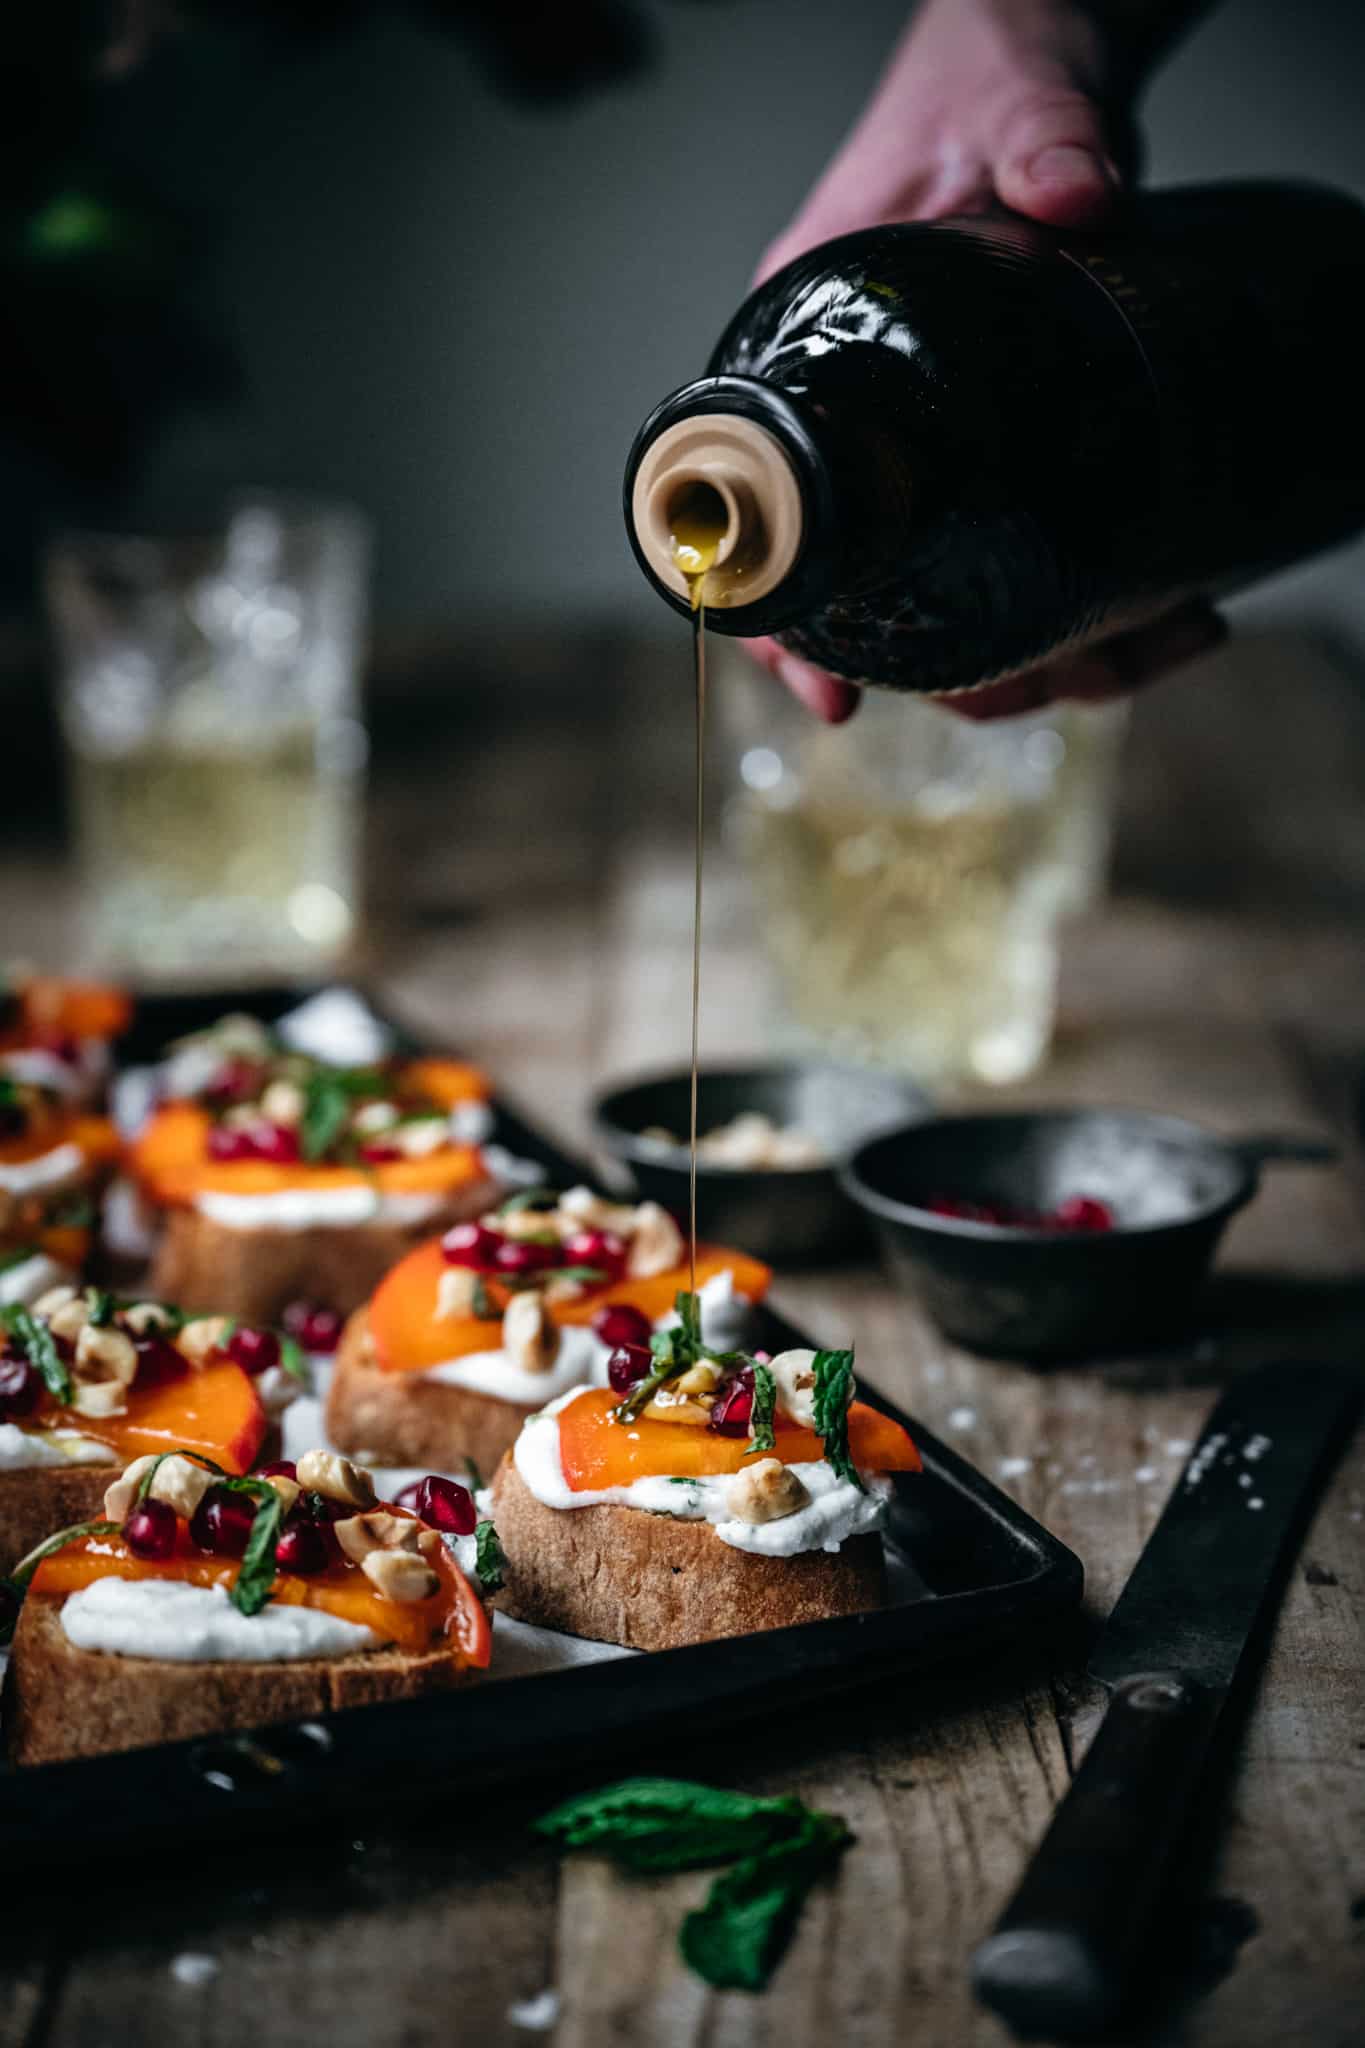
{"x":1013,"y":1468}
{"x":961,"y":1418}
{"x":1255,"y":1501}
{"x":1177,"y":1446}
{"x":1144,"y":1475}
{"x":537,"y":2014}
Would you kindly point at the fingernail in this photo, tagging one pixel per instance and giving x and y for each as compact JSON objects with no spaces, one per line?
{"x":1065,"y":164}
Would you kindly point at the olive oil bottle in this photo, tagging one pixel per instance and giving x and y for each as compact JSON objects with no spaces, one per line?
{"x":938,"y":453}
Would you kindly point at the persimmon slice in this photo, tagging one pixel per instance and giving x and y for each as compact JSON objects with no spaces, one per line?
{"x":454,"y":1611}
{"x":170,"y":1159}
{"x":73,"y":1009}
{"x":408,"y":1336}
{"x":213,"y":1409}
{"x":597,"y":1452}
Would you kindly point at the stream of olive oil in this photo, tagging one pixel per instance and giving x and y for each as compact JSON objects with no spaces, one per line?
{"x":698,"y":523}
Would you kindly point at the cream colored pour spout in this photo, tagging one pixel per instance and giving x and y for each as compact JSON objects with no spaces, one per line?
{"x":728,"y":481}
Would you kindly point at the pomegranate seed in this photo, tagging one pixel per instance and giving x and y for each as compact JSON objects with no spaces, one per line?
{"x":283,"y":1468}
{"x":61,"y":1045}
{"x":222,"y":1522}
{"x":1083,"y":1212}
{"x":237,"y":1080}
{"x":621,"y":1323}
{"x":158,"y":1361}
{"x":473,"y":1245}
{"x":303,"y":1547}
{"x":517,"y":1255}
{"x":600,"y":1248}
{"x":20,"y":1386}
{"x":377,"y":1153}
{"x":150,"y":1529}
{"x":275,"y":1142}
{"x":254,"y":1350}
{"x":442,"y":1504}
{"x":763,"y":1357}
{"x":228,"y":1144}
{"x":735,"y":1405}
{"x":315,"y":1328}
{"x":627,"y":1366}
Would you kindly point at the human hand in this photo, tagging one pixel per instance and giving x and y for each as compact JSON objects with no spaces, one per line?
{"x":1021,"y":103}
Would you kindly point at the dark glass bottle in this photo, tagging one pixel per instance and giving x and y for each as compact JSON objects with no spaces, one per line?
{"x":940,"y":452}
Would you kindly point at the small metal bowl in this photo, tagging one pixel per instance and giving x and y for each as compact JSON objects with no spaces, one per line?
{"x":1050,"y":1293}
{"x":790,"y":1216}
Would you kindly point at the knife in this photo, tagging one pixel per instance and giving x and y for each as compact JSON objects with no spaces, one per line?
{"x":1062,"y":1957}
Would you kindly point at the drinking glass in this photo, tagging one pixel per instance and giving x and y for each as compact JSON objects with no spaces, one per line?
{"x":911,"y":869}
{"x":209,"y":698}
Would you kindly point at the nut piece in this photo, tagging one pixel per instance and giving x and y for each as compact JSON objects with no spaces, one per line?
{"x":400,"y":1575}
{"x":282,"y":1103}
{"x":336,"y":1478}
{"x":359,"y":1535}
{"x":119,"y":1495}
{"x":457,"y":1291}
{"x":795,"y":1377}
{"x":99,"y":1397}
{"x":145,"y":1316}
{"x":374,"y":1116}
{"x":47,"y":1305}
{"x":205,"y":1335}
{"x":70,"y":1317}
{"x":765,"y":1492}
{"x":181,"y":1484}
{"x":585,"y":1209}
{"x":424,"y":1134}
{"x":656,"y":1245}
{"x":105,"y":1353}
{"x":530,"y":1337}
{"x":701,"y":1378}
{"x":524,"y":1224}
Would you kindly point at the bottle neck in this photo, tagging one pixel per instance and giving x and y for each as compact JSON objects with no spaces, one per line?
{"x":725,"y":483}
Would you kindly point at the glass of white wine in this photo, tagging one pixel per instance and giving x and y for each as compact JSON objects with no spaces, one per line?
{"x":209,"y":696}
{"x":911,"y":870}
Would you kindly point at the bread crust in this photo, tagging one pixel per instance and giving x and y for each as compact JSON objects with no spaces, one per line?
{"x":35,"y":1504}
{"x":203,"y":1265}
{"x":62,"y":1703}
{"x":404,"y":1418}
{"x":619,"y":1575}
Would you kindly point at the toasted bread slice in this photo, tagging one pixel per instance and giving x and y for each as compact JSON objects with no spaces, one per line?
{"x":255,"y":1274}
{"x":619,"y":1575}
{"x":62,"y":1703}
{"x":404,"y":1418}
{"x":34,"y":1503}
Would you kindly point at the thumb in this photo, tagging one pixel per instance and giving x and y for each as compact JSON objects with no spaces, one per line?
{"x":1053,"y":161}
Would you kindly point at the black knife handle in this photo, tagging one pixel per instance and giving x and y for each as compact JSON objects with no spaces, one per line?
{"x":1061,"y":1957}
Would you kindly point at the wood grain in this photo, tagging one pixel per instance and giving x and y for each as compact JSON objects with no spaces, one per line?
{"x":531,"y":896}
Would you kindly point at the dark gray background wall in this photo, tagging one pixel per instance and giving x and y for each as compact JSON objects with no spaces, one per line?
{"x":455,"y":309}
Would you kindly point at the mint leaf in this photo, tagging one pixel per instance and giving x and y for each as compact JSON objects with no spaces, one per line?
{"x":763,"y":1416}
{"x":39,"y":1347}
{"x":663,"y":1824}
{"x":294,"y":1362}
{"x":737,"y":1939}
{"x":144,"y":1484}
{"x":326,"y":1112}
{"x":101,"y":1304}
{"x":490,"y":1561}
{"x":256,"y":1573}
{"x":528,"y":1198}
{"x":674,"y":1350}
{"x":484,"y":1306}
{"x":833,"y":1391}
{"x":474,"y":1476}
{"x":18,"y":1257}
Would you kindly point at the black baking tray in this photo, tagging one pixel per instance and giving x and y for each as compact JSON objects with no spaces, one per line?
{"x":977,"y":1569}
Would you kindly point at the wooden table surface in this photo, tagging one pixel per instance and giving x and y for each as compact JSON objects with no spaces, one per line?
{"x":531,"y":865}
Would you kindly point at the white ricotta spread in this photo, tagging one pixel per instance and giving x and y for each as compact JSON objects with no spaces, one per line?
{"x":835,"y":1511}
{"x":200,"y":1625}
{"x":48,"y":1170}
{"x":470,"y":1123}
{"x":582,"y":1358}
{"x":28,"y":1450}
{"x":30,"y":1278}
{"x":316,"y":1208}
{"x":339,"y":1026}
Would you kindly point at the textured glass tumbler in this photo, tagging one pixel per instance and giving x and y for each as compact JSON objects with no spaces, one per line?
{"x":209,"y":697}
{"x":911,"y":870}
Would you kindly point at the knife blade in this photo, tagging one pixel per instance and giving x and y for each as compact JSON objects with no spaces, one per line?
{"x":1062,"y":1956}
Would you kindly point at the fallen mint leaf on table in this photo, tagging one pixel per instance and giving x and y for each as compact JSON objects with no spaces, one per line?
{"x":737,"y":1939}
{"x":663,"y":1824}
